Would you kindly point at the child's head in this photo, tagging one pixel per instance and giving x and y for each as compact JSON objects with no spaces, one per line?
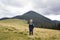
{"x":31,"y":20}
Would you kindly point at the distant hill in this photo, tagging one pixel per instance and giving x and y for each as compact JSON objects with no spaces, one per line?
{"x":56,"y":21}
{"x":4,"y":18}
{"x":57,"y":24}
{"x":39,"y":20}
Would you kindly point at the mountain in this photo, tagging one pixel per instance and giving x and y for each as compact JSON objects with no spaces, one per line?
{"x":39,"y":20}
{"x":57,"y":24}
{"x":56,"y":21}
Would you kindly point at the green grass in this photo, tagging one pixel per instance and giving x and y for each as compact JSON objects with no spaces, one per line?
{"x":15,"y":29}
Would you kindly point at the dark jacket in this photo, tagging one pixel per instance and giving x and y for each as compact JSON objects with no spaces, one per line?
{"x":31,"y":26}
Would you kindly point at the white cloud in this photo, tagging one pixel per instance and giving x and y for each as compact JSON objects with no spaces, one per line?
{"x":17,"y":3}
{"x":53,"y":17}
{"x":9,"y":10}
{"x":47,"y":6}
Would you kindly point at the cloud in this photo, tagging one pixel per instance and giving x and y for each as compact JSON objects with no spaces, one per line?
{"x":53,"y":17}
{"x":17,"y":3}
{"x":10,"y":11}
{"x":45,"y":7}
{"x":5,"y":10}
{"x":48,"y":6}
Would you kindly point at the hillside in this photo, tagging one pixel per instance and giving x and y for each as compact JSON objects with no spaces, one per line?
{"x":17,"y":29}
{"x":39,"y":20}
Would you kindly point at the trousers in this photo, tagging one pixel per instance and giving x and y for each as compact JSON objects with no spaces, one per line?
{"x":30,"y":29}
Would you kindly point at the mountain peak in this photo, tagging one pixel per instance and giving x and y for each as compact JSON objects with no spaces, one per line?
{"x":32,"y":11}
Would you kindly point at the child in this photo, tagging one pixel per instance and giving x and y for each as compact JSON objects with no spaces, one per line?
{"x":31,"y":27}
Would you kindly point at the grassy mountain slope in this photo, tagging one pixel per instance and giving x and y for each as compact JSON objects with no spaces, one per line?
{"x":15,"y":29}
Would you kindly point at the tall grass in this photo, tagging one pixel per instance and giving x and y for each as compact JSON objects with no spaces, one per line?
{"x":15,"y":29}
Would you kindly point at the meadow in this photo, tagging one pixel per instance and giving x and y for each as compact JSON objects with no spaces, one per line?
{"x":17,"y":29}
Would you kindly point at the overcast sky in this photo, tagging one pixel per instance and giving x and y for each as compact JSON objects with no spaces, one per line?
{"x":48,"y":8}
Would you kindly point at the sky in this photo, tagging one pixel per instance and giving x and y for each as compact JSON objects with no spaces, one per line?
{"x":48,"y":8}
